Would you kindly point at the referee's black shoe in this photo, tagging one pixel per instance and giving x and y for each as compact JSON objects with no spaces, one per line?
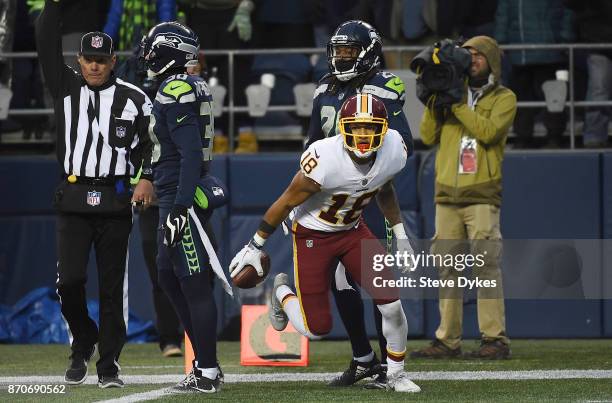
{"x":109,"y":381}
{"x":356,"y":372}
{"x":77,"y":371}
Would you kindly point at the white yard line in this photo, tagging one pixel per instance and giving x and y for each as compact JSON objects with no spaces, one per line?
{"x":140,"y":397}
{"x":325,"y":376}
{"x":156,"y":366}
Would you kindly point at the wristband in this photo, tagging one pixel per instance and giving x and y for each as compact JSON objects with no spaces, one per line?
{"x":258,"y":241}
{"x":265,"y":227}
{"x":399,"y":231}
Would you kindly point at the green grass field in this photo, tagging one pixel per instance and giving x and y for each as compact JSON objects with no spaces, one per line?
{"x":329,"y":356}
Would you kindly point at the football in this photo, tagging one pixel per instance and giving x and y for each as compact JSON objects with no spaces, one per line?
{"x":248,"y":277}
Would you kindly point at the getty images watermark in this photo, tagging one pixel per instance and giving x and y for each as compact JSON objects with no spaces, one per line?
{"x":510,"y":269}
{"x":407,"y":262}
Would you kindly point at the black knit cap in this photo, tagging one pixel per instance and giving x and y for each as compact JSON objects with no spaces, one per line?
{"x":96,"y":44}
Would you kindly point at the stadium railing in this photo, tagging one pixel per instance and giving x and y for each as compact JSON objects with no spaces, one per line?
{"x":231,"y":55}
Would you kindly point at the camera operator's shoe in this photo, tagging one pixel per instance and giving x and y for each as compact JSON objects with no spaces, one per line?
{"x":436,"y":349}
{"x":76,"y":373}
{"x":491,"y":350}
{"x":356,"y":372}
{"x":278,"y":317}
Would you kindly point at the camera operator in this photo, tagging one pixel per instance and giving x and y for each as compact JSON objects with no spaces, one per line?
{"x":472,"y":135}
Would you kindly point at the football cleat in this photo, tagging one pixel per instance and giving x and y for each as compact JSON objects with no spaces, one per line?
{"x":356,"y":372}
{"x":379,"y":381}
{"x":196,"y":382}
{"x":399,"y":382}
{"x":278,"y":317}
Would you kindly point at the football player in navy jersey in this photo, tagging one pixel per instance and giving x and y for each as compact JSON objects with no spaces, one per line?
{"x":187,"y":194}
{"x":354,"y":55}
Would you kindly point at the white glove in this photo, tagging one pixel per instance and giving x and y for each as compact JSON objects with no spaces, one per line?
{"x":249,"y":254}
{"x":405,"y":249}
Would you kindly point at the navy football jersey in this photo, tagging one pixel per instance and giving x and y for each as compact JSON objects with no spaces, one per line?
{"x":183,"y":130}
{"x":326,"y":105}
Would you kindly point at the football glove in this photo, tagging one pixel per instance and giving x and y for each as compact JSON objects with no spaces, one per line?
{"x":174,"y":227}
{"x":403,"y":245}
{"x":249,"y":254}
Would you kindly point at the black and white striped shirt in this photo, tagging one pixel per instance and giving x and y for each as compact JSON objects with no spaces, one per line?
{"x":101,"y":131}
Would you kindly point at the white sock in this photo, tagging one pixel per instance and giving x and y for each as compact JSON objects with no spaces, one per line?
{"x":282,"y":292}
{"x":294,"y":312}
{"x":210,"y":373}
{"x":395,"y":330}
{"x":365,"y":358}
{"x":394,"y":367}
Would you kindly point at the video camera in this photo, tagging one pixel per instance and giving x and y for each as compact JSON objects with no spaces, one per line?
{"x":441,"y":70}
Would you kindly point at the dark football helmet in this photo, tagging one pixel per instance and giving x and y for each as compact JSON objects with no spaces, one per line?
{"x":354,"y":49}
{"x":359,"y":112}
{"x":169,"y":45}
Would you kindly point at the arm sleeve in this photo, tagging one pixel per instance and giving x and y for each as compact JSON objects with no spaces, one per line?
{"x":488,"y":130}
{"x":315,"y":132}
{"x":140,"y":157}
{"x":113,"y":19}
{"x":398,"y":121}
{"x":188,"y":140}
{"x":166,"y":10}
{"x":49,"y":46}
{"x":430,"y":129}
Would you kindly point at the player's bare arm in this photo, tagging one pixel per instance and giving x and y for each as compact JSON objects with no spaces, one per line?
{"x":388,"y":204}
{"x":298,"y":191}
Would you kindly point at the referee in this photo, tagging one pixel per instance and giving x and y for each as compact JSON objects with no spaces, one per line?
{"x":102,"y":139}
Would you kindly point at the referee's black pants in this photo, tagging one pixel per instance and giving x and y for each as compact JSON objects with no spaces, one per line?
{"x":109,"y":235}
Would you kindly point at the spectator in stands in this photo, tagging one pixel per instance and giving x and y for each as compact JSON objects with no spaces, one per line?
{"x":534,"y":21}
{"x":466,"y":18}
{"x":471,"y":139}
{"x":593,"y":19}
{"x":79,"y":17}
{"x":128,"y":20}
{"x":226,"y":24}
{"x":26,"y":80}
{"x":7,"y":29}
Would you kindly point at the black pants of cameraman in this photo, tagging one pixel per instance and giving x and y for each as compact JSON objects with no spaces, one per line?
{"x":109,"y":234}
{"x":167,"y":322}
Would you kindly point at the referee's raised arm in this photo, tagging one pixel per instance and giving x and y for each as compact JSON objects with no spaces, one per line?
{"x":49,"y":46}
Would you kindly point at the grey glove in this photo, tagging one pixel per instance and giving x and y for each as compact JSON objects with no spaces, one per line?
{"x":242,"y":20}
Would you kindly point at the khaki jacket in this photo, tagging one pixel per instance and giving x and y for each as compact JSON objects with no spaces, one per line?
{"x":488,"y":123}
